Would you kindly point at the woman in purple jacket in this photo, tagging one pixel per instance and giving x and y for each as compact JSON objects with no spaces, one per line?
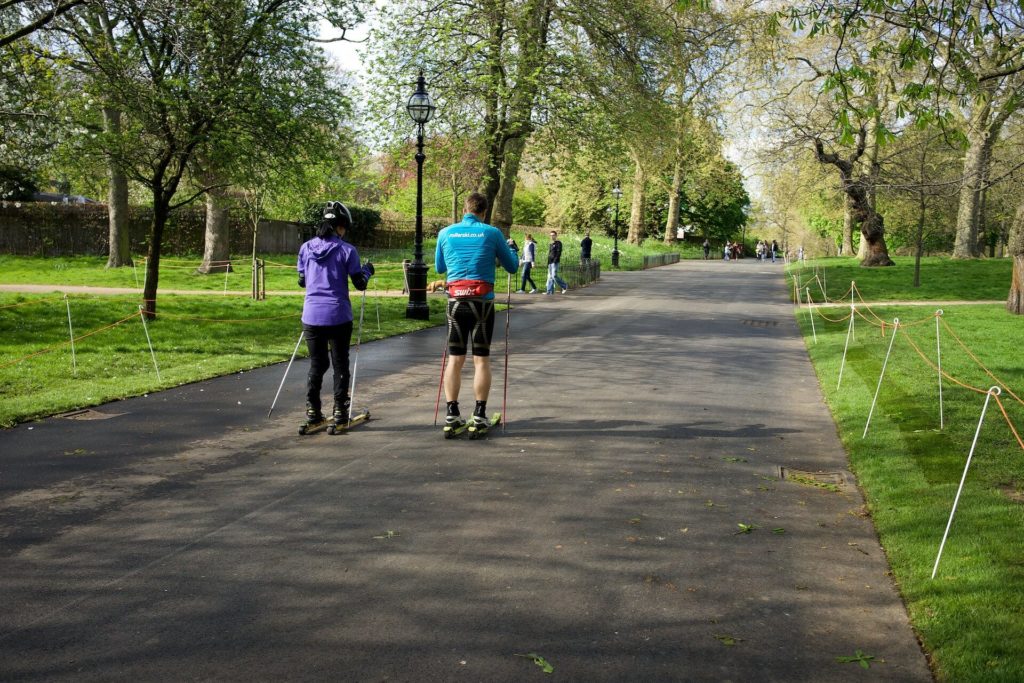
{"x":326,"y":263}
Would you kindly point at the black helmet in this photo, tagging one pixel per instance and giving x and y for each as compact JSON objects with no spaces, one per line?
{"x":337,"y":215}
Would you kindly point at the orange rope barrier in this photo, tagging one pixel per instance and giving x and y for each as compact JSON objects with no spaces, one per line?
{"x":945,"y":374}
{"x":1009,"y":422}
{"x":57,"y":346}
{"x":980,"y":364}
{"x":35,"y":301}
{"x":839,"y":320}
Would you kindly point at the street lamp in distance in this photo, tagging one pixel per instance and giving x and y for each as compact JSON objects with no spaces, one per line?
{"x":617,"y":191}
{"x":421,"y":109}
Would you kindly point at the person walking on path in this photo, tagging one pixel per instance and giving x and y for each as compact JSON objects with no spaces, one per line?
{"x":707,"y":249}
{"x":529,"y":258}
{"x":466,"y":251}
{"x":554,"y":262}
{"x":325,"y":265}
{"x":586,"y":244}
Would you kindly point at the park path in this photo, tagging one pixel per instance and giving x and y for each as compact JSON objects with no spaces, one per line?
{"x":187,"y":537}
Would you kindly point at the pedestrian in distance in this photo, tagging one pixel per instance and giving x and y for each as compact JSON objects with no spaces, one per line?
{"x":707,"y":249}
{"x":727,"y":250}
{"x":554,"y":263}
{"x":326,"y":264}
{"x":466,"y":251}
{"x":515,"y":251}
{"x":529,"y":258}
{"x":586,"y":244}
{"x":775,"y":250}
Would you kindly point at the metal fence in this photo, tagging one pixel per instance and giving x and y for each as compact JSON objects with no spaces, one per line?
{"x":655,"y":260}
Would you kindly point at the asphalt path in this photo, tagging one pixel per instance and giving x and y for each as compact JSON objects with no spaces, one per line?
{"x":185,"y":536}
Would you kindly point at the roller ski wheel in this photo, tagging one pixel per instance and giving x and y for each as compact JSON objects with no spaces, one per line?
{"x":313,"y":425}
{"x":455,"y":428}
{"x":357,"y":419}
{"x":479,"y":431}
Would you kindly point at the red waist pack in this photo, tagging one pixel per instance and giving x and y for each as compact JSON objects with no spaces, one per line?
{"x":468,"y":289}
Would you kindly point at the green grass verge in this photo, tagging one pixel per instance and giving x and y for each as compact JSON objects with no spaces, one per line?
{"x":194,"y":338}
{"x":942,"y":279}
{"x":968,"y":617}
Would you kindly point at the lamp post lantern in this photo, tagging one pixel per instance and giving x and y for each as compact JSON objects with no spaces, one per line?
{"x":421,"y":109}
{"x":617,"y":191}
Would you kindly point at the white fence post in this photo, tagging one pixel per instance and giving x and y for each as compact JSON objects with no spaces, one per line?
{"x":895,"y":331}
{"x":993,"y":391}
{"x":71,"y":333}
{"x":142,"y":315}
{"x":811,"y":312}
{"x":849,"y":331}
{"x":938,"y":353}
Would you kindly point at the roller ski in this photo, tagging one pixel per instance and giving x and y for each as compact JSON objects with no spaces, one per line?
{"x":454,"y":426}
{"x":342,"y":420}
{"x":315,"y":422}
{"x":477,"y":427}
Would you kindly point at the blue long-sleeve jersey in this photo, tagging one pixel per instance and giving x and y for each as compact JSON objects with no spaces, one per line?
{"x":466,"y":251}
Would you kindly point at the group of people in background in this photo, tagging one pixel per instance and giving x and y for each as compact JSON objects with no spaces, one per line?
{"x":529,"y":259}
{"x":765,"y":251}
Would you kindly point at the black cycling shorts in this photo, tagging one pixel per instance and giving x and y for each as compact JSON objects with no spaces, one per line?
{"x":470,"y":323}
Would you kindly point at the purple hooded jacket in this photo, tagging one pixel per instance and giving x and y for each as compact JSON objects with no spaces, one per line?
{"x":326,"y":265}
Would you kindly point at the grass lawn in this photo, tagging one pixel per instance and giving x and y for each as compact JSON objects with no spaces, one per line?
{"x":969,"y":616}
{"x":942,"y":279}
{"x":194,"y":338}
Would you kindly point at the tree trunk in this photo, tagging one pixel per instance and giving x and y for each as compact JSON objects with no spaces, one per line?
{"x":979,"y":142}
{"x":120,"y":250}
{"x":1015,"y":300}
{"x":216,"y":249}
{"x":456,"y":206}
{"x":672,"y":222}
{"x":847,"y":229}
{"x":156,"y":235}
{"x":922,"y":209}
{"x":636,"y":212}
{"x":502,"y":216}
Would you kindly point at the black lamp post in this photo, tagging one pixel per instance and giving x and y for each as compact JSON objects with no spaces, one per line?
{"x":420,"y":109}
{"x":617,"y":191}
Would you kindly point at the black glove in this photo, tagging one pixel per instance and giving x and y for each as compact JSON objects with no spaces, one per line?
{"x":302,"y":281}
{"x":368,"y":269}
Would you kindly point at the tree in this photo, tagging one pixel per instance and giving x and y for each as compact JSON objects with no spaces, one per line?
{"x":180,"y":70}
{"x":1015,"y":300}
{"x":24,"y":17}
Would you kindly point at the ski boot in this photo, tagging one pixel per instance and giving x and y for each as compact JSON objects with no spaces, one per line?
{"x":453,"y":426}
{"x":479,"y":425}
{"x":315,"y":422}
{"x":344,"y":418}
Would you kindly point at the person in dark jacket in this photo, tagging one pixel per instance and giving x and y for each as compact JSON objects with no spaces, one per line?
{"x":554,"y":261}
{"x":326,"y":264}
{"x":586,"y":244}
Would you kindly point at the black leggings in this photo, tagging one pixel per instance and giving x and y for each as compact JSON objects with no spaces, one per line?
{"x":527,"y":267}
{"x":328,"y":346}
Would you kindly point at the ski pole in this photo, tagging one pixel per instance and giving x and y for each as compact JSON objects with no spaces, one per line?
{"x":355,"y":361}
{"x":504,"y":398}
{"x":440,"y":382}
{"x":301,"y":334}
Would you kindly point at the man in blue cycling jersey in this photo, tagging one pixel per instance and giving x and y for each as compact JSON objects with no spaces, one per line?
{"x":466,"y":251}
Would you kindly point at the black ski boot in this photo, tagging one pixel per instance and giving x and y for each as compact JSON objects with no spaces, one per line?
{"x":315,"y":421}
{"x":342,"y":412}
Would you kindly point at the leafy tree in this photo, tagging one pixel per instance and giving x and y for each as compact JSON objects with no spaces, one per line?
{"x":179,"y":71}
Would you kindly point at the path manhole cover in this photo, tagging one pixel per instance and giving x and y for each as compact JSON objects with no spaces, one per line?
{"x":89,"y":414}
{"x":830,"y":480}
{"x":761,"y":323}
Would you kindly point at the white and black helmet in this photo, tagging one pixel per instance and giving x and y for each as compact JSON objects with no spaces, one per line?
{"x":337,"y":215}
